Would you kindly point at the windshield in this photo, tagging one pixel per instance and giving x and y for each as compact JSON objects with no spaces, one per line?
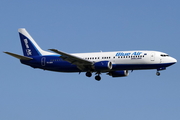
{"x":164,"y":55}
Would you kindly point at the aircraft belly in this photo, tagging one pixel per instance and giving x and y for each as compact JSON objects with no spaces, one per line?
{"x":139,"y":66}
{"x":63,"y":67}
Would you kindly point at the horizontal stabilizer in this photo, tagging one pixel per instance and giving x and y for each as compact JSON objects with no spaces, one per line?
{"x":19,"y":56}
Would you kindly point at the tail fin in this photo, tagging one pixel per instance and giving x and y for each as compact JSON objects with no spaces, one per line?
{"x":29,"y":46}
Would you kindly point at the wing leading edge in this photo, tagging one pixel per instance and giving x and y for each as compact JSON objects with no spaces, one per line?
{"x":81,"y":63}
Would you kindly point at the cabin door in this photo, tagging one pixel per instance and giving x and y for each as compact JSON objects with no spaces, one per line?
{"x":43,"y":61}
{"x":152,"y":56}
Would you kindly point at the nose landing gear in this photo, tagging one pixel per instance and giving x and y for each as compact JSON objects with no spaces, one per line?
{"x":158,"y":73}
{"x":159,"y":69}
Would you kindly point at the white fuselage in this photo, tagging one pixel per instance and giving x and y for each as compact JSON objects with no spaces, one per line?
{"x":129,"y":57}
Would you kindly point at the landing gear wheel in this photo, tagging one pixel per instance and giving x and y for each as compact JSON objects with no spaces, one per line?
{"x":88,"y":74}
{"x":158,"y":73}
{"x":98,"y":78}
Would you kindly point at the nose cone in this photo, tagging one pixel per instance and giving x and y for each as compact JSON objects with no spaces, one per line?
{"x":173,"y":60}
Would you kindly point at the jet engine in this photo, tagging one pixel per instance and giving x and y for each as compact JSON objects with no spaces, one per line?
{"x":120,"y":73}
{"x":102,"y":66}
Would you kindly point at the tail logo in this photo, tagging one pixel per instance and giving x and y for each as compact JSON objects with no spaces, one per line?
{"x":28,"y":51}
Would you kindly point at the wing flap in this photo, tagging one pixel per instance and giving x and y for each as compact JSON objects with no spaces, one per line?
{"x":19,"y":56}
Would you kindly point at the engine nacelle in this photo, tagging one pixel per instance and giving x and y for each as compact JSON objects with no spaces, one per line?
{"x":120,"y":73}
{"x":102,"y":66}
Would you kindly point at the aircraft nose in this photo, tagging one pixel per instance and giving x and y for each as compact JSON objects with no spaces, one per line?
{"x":173,"y":60}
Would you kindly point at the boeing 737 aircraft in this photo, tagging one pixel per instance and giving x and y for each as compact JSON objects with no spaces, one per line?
{"x":115,"y":64}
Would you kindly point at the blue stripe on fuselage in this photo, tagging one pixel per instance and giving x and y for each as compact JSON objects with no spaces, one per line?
{"x":52,"y":63}
{"x":55,"y":63}
{"x":140,"y":66}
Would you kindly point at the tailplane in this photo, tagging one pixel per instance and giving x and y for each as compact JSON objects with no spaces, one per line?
{"x":19,"y":56}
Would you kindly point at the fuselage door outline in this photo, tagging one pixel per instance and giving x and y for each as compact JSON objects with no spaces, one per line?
{"x":43,"y":61}
{"x":152,"y":57}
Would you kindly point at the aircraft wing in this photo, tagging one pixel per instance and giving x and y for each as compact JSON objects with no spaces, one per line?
{"x":19,"y":56}
{"x":73,"y":59}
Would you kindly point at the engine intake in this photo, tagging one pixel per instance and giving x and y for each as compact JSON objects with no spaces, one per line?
{"x":120,"y":73}
{"x":103,"y":66}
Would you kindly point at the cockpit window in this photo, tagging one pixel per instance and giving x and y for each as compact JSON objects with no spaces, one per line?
{"x":164,"y":55}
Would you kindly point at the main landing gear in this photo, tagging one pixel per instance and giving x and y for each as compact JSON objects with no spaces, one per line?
{"x":88,"y":74}
{"x":97,"y":77}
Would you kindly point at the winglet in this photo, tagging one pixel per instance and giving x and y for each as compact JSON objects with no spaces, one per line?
{"x":19,"y":56}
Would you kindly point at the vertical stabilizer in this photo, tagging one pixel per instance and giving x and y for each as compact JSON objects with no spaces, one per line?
{"x":29,"y":46}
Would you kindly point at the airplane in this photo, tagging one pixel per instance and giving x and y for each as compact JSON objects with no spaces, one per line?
{"x":115,"y":64}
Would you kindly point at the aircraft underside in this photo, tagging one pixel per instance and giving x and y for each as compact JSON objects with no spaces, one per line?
{"x":118,"y":70}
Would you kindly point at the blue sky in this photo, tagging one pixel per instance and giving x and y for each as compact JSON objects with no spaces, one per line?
{"x":89,"y":26}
